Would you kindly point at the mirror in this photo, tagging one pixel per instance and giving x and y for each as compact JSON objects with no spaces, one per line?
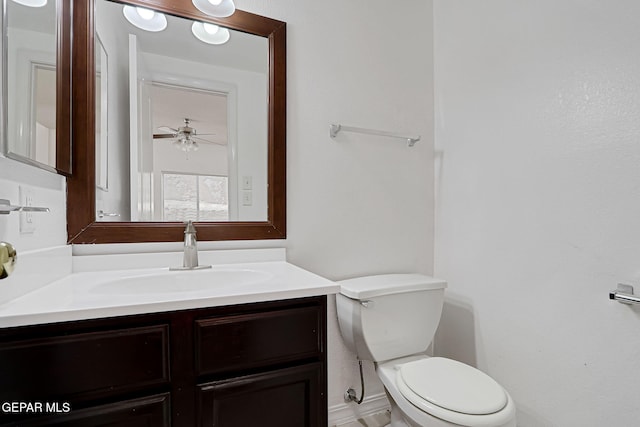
{"x":177,"y":128}
{"x":189,"y":120}
{"x":36,"y":56}
{"x":102,"y":117}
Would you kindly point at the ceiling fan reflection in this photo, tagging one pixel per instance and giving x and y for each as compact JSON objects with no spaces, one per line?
{"x":186,"y":137}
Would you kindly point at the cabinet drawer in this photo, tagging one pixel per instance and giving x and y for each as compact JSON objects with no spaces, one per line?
{"x":259,"y":339}
{"x":96,"y":364}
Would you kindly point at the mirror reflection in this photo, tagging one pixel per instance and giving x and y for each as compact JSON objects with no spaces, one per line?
{"x":183,"y":119}
{"x":31,"y":81}
{"x":102,"y":101}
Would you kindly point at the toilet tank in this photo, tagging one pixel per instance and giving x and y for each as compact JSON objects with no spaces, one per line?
{"x":388,"y":316}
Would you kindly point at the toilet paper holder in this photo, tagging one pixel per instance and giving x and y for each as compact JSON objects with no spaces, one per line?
{"x":624,"y":294}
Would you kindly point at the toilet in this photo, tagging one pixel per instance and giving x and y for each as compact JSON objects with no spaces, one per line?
{"x":391,"y":319}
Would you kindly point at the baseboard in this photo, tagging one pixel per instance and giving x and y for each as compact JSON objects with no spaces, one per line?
{"x":347,"y":412}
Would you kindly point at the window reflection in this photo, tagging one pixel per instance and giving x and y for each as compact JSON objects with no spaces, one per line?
{"x":195,"y":197}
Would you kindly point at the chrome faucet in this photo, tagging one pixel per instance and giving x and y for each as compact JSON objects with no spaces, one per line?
{"x":190,"y":258}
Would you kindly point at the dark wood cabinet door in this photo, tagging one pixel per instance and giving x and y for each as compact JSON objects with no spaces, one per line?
{"x":153,"y":411}
{"x":283,"y":398}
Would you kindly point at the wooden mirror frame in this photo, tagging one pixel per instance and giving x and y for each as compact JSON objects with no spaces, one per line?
{"x":64,"y":148}
{"x":82,"y":226}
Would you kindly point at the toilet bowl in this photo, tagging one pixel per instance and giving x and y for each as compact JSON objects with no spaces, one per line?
{"x":391,"y":320}
{"x":439,"y":392}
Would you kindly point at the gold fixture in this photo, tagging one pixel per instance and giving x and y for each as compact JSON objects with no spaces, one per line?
{"x":8,"y":259}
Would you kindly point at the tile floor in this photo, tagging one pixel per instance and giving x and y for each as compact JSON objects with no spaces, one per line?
{"x":376,"y":420}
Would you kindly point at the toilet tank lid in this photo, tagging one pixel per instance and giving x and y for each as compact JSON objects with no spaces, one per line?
{"x":361,"y":288}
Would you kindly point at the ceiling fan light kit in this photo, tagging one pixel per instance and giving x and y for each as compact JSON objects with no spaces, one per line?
{"x":209,"y":33}
{"x":145,"y":19}
{"x":215,"y":8}
{"x":186,"y":145}
{"x":31,"y":3}
{"x":184,"y":136}
{"x":149,"y":20}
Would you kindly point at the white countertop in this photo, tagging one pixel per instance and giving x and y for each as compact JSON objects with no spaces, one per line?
{"x":98,"y":294}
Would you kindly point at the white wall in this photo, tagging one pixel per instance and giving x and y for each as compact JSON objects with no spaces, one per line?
{"x":48,"y":190}
{"x":538,"y":178}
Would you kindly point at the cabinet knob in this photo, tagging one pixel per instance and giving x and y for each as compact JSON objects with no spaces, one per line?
{"x":8,"y":259}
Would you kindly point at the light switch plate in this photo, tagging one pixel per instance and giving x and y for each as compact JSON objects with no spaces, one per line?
{"x":247,"y":198}
{"x":247,"y":182}
{"x":27,"y":219}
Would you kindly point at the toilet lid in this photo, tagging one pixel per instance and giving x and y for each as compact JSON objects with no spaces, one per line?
{"x":451,"y":385}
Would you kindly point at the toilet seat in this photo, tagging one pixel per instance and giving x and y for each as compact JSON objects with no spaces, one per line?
{"x":451,"y":385}
{"x":452,"y":391}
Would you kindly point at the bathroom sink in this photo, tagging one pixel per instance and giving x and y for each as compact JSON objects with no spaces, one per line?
{"x":171,"y":282}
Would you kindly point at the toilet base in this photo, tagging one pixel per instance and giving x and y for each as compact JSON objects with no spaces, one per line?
{"x":397,"y":419}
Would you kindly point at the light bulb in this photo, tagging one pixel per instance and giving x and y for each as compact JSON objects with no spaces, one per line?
{"x":217,"y":8}
{"x":146,"y":14}
{"x":210,"y":28}
{"x":145,"y":19}
{"x":209,"y":33}
{"x":32,"y":3}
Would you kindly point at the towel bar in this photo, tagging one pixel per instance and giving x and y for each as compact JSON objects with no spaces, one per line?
{"x":6,"y":208}
{"x":334,"y":129}
{"x":624,"y":294}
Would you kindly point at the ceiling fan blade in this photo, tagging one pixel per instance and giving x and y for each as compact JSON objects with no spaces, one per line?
{"x":163,"y":135}
{"x":167,"y":129}
{"x":206,"y":141}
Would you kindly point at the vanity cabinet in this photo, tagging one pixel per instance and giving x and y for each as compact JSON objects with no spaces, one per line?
{"x":260,"y":364}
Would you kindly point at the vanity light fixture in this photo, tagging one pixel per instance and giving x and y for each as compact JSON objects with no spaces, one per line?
{"x":210,"y":33}
{"x":216,"y":8}
{"x":31,"y":3}
{"x":145,"y":19}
